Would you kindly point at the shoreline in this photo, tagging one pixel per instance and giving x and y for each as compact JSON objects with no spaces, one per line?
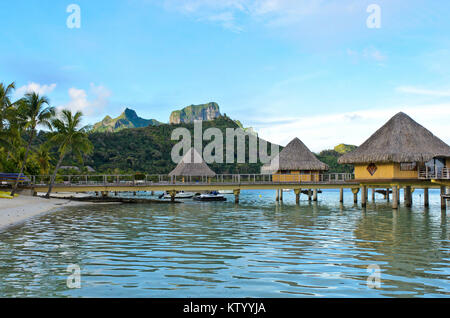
{"x":18,"y":210}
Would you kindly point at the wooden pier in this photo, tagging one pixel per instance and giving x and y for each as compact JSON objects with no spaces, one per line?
{"x":237,"y":182}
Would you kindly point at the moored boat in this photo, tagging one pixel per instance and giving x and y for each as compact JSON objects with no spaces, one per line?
{"x":211,"y":196}
{"x":179,"y":195}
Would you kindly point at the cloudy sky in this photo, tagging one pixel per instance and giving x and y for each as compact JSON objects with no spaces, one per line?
{"x":311,"y":69}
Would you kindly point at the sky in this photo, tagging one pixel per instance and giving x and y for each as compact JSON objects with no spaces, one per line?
{"x":325,"y":71}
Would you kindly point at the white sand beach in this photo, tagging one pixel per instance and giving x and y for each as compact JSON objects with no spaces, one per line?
{"x":17,"y":210}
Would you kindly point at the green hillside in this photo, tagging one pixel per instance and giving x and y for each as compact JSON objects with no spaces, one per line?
{"x":148,"y":149}
{"x":128,"y":119}
{"x":343,"y":148}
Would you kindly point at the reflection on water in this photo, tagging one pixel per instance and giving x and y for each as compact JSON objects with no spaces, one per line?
{"x":257,"y":248}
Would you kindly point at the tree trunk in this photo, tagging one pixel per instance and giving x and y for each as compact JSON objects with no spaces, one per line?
{"x":52,"y":180}
{"x":23,"y":164}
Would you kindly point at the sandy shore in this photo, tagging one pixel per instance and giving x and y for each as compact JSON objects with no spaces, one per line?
{"x":17,"y":210}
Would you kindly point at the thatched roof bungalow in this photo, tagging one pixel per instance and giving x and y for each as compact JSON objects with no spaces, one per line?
{"x":397,"y":151}
{"x":295,"y":163}
{"x":192,"y":165}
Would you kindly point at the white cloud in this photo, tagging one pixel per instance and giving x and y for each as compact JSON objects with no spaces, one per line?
{"x":370,"y":53}
{"x":421,"y":91}
{"x":326,"y":131}
{"x":35,"y":87}
{"x":79,"y":100}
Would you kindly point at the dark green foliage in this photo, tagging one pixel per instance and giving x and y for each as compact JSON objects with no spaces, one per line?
{"x":330,"y":157}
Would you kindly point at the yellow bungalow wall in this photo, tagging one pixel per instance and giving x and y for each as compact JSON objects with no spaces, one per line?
{"x":296,"y":176}
{"x":384,"y":171}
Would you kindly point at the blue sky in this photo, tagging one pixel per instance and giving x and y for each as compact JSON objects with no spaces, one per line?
{"x":289,"y":68}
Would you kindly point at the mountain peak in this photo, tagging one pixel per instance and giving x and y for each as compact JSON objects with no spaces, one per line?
{"x":128,"y":119}
{"x":191,"y":113}
{"x":130,"y":113}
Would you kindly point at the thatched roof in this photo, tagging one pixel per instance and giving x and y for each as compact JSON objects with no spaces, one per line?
{"x":401,"y":139}
{"x":192,"y":164}
{"x":295,"y":156}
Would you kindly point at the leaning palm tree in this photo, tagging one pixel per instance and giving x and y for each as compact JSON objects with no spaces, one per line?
{"x":34,"y":110}
{"x":70,"y":138}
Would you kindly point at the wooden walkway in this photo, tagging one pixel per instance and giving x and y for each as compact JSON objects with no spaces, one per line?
{"x":118,"y":183}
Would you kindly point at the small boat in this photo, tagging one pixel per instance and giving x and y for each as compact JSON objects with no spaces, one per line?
{"x":226,"y":191}
{"x":212,"y":196}
{"x":179,"y":195}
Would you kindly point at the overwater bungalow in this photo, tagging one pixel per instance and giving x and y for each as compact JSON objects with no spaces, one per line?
{"x":401,"y":153}
{"x":295,"y":163}
{"x":192,"y":167}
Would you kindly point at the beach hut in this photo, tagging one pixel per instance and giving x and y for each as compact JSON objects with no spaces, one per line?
{"x":191,"y":166}
{"x":398,"y":151}
{"x":295,"y":163}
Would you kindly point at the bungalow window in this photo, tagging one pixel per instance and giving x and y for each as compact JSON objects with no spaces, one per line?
{"x":408,"y":166}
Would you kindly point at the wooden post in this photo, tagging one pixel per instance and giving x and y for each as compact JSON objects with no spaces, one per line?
{"x":364,"y":196}
{"x":395,"y":197}
{"x":426,"y":197}
{"x":341,"y":195}
{"x":387,"y":194}
{"x":355,"y":195}
{"x":297,"y":195}
{"x":443,"y":201}
{"x":315,"y":195}
{"x":278,"y":195}
{"x":281,"y":194}
{"x":309,"y":195}
{"x":236,"y":196}
{"x":373,"y":194}
{"x":408,"y":196}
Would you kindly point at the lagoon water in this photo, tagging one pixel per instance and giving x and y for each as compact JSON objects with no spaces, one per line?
{"x":213,"y":249}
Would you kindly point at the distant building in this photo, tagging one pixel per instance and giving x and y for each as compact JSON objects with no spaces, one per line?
{"x":295,"y":163}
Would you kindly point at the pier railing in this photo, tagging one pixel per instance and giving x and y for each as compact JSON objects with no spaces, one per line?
{"x":439,"y":173}
{"x":143,"y":180}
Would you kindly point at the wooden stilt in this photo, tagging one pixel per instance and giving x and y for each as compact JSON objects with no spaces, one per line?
{"x":277,"y":195}
{"x":426,"y":197}
{"x":395,"y":197}
{"x":364,"y":196}
{"x":408,"y":196}
{"x":281,"y":194}
{"x":341,"y":195}
{"x":315,"y":195}
{"x":443,"y":200}
{"x":355,"y":195}
{"x":373,"y":194}
{"x":297,"y":195}
{"x":236,"y":195}
{"x":309,"y":195}
{"x":387,"y":194}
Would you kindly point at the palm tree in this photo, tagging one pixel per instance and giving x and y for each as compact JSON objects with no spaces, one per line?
{"x":43,"y":159}
{"x":6,"y":113}
{"x":5,"y":103}
{"x":70,"y":139}
{"x":33,"y":112}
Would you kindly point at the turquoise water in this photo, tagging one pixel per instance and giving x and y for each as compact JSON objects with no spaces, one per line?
{"x":255,"y":249}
